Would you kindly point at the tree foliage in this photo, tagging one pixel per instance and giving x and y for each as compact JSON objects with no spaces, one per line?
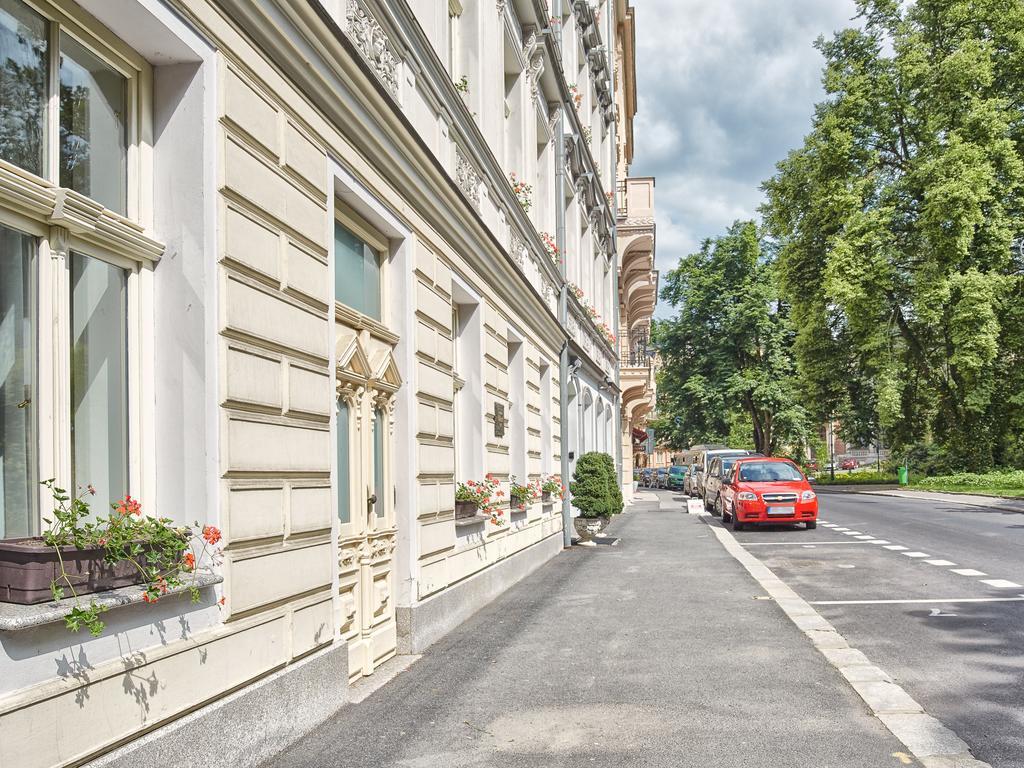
{"x":900,"y":223}
{"x":727,"y":372}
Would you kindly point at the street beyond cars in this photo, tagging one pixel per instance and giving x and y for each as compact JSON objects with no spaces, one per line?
{"x":765,"y":490}
{"x":677,"y":477}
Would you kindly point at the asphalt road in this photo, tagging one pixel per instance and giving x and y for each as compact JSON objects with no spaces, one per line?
{"x":659,"y":652}
{"x":932,"y":592}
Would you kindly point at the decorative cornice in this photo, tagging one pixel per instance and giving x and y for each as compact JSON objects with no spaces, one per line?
{"x":467,"y":178}
{"x":373,"y":42}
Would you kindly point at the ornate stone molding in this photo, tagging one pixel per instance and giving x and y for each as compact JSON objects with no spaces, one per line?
{"x":373,"y":42}
{"x":517,"y":248}
{"x":467,"y":178}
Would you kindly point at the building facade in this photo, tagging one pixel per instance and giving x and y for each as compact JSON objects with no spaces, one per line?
{"x":294,"y":269}
{"x":638,"y":278}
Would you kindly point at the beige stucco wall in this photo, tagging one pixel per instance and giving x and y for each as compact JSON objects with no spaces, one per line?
{"x":275,"y":399}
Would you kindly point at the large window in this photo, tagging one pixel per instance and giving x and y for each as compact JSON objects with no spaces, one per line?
{"x":70,"y":307}
{"x":65,"y":118}
{"x":17,"y":364}
{"x":380,"y":506}
{"x":357,"y":270}
{"x":99,"y":376}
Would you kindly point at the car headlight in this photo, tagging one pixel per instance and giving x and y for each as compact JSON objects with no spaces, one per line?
{"x":746,"y":496}
{"x":808,"y":496}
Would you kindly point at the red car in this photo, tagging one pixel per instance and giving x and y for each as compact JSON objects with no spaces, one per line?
{"x":848,"y":464}
{"x":765,"y":490}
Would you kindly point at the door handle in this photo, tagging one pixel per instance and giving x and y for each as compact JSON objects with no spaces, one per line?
{"x":372,"y":499}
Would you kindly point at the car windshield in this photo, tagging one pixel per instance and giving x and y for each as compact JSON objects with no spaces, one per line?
{"x":727,"y":465}
{"x":677,"y":470}
{"x":769,"y":472}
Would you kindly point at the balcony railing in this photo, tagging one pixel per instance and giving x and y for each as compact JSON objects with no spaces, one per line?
{"x":638,"y":353}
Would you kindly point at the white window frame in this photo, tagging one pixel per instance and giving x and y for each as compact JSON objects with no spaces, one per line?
{"x":55,"y":243}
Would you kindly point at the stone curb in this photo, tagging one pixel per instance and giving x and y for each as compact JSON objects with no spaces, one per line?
{"x":927,"y":739}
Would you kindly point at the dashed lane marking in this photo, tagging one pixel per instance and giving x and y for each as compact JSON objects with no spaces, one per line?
{"x":1001,"y":583}
{"x":923,"y":600}
{"x":840,"y":529}
{"x":915,"y":554}
{"x":865,"y":536}
{"x":853,"y":533}
{"x":943,"y":563}
{"x":878,"y":541}
{"x":967,"y":572}
{"x":896,"y":547}
{"x":793,"y":543}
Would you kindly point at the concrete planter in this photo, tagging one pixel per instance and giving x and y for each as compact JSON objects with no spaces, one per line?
{"x":28,"y":566}
{"x":588,"y":527}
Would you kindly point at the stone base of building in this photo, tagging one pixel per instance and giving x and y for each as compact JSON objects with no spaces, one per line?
{"x":249,"y":726}
{"x":423,"y":624}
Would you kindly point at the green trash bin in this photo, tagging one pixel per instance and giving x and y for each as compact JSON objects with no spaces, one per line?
{"x":903,"y":473}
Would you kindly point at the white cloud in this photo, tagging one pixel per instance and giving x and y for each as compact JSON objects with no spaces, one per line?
{"x":726,"y":88}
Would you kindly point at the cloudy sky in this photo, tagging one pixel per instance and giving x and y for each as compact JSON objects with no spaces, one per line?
{"x":726,"y":88}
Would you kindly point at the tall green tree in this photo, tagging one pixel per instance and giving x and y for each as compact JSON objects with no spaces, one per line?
{"x":899,"y":222}
{"x":727,"y":371}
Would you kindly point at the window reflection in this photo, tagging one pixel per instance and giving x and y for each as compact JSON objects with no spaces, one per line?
{"x":17,"y":339}
{"x":99,"y":377}
{"x":23,"y":86}
{"x":93,"y":131}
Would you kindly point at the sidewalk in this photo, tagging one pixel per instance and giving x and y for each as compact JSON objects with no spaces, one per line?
{"x":652,"y":653}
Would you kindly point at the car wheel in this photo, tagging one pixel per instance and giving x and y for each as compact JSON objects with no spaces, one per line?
{"x":714,"y":508}
{"x":812,"y":524}
{"x":736,"y":524}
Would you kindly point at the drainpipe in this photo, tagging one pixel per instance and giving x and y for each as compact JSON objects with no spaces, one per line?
{"x":563,"y":298}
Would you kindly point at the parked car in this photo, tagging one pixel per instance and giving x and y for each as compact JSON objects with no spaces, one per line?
{"x":765,"y":490}
{"x":848,"y":464}
{"x":647,"y":478}
{"x":677,"y":476}
{"x":662,"y":477}
{"x":721,"y":468}
{"x":690,"y":485}
{"x":704,"y":463}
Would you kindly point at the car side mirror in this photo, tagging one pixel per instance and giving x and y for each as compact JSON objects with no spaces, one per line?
{"x":812,"y":480}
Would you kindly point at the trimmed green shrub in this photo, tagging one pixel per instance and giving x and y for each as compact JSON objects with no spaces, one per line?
{"x":592,"y":486}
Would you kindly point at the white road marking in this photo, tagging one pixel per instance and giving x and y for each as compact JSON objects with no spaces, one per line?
{"x":938,"y":612}
{"x":878,"y":541}
{"x":853,"y":533}
{"x":915,"y":554}
{"x":1001,"y":583}
{"x":967,"y":572}
{"x":896,"y":547}
{"x":926,"y":600}
{"x":793,"y":543}
{"x":924,"y":736}
{"x":865,"y":536}
{"x":840,"y":529}
{"x":943,"y":563}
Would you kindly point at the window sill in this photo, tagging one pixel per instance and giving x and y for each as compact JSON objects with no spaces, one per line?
{"x":14,"y":618}
{"x":464,"y":522}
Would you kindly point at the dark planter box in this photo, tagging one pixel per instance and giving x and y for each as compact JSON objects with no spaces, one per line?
{"x":28,"y":566}
{"x":465,"y":509}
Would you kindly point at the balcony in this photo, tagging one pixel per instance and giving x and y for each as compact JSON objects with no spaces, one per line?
{"x":638,"y":279}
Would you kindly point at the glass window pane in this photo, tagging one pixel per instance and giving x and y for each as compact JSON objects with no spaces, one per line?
{"x":93,"y":126}
{"x":378,"y":461}
{"x":356,"y":273}
{"x":99,"y":377}
{"x":343,"y":458}
{"x":23,"y":86}
{"x":17,"y":363}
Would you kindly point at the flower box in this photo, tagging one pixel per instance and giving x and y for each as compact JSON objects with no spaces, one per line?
{"x":29,"y":566}
{"x":465,"y":510}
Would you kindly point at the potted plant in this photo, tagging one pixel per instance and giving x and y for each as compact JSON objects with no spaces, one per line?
{"x":479,"y":498}
{"x":522,"y":191}
{"x":521,"y":497}
{"x":592,"y":487}
{"x":80,"y":555}
{"x":550,"y":487}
